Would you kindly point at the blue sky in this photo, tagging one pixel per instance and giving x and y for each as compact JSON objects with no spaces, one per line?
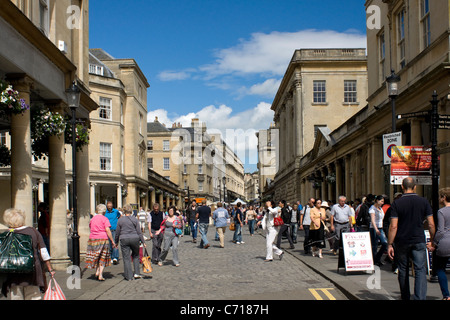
{"x":220,"y":61}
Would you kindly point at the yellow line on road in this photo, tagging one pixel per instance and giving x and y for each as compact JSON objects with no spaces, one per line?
{"x":324,"y":290}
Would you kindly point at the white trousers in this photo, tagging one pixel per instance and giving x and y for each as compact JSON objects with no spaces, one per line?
{"x":271,"y":235}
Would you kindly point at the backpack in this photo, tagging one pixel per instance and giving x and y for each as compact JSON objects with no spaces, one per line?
{"x":16,"y":253}
{"x":363,"y":218}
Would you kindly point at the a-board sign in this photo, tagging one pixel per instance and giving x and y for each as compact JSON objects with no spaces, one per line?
{"x":357,"y":251}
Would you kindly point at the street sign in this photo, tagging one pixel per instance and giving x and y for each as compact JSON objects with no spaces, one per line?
{"x":413,"y":115}
{"x":389,"y":141}
{"x":443,"y":123}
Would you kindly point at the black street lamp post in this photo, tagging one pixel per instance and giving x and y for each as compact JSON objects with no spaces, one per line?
{"x":224,"y":180}
{"x":392,"y":87}
{"x":73,"y":100}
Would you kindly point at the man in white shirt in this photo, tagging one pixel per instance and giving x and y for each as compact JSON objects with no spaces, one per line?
{"x":340,"y":220}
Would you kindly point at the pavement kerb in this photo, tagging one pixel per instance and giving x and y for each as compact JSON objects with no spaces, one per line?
{"x":346,"y":292}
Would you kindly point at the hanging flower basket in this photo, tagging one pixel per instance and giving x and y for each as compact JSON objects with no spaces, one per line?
{"x":82,"y":131}
{"x":331,"y":178}
{"x":316,"y":185}
{"x":5,"y":156}
{"x":124,"y":192}
{"x":10,"y":103}
{"x":44,"y":124}
{"x":143,"y":194}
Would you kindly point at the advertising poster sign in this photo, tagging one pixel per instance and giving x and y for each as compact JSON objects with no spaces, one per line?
{"x":357,"y":251}
{"x":411,"y":161}
{"x":389,"y":141}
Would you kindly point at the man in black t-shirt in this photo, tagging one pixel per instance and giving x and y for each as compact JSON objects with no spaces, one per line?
{"x":407,"y":238}
{"x":203,"y":214}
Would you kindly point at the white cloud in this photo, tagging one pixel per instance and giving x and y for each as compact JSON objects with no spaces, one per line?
{"x":267,"y":89}
{"x":265,"y":56}
{"x":270,"y":53}
{"x":171,"y":75}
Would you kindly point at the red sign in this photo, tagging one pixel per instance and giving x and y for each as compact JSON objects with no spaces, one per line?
{"x":411,"y":161}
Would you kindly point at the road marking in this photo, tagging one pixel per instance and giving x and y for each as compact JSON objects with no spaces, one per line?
{"x":324,"y":291}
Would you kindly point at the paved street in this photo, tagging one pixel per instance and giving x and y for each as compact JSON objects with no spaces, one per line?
{"x":237,"y":272}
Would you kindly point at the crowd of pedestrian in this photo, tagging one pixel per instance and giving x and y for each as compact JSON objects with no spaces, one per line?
{"x":396,"y":230}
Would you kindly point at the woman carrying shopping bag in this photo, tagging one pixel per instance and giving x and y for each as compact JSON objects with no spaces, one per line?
{"x":130,"y":235}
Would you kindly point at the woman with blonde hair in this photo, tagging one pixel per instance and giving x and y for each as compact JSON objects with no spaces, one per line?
{"x":27,"y":286}
{"x":98,"y":255}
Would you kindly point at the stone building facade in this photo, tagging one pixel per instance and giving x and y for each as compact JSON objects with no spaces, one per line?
{"x":321,"y":88}
{"x":118,"y":162}
{"x":413,"y":42}
{"x":41,"y":54}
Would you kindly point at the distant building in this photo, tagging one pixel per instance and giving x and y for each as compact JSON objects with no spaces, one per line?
{"x":268,"y":160}
{"x":252,"y":191}
{"x":194,"y":160}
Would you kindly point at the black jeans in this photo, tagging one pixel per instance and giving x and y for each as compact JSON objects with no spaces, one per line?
{"x":285,"y":228}
{"x":306,"y":247}
{"x":156,"y":249}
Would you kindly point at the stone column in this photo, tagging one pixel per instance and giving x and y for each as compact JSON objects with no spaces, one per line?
{"x":152,"y":199}
{"x":357,"y":174}
{"x":92,"y":197}
{"x":347,"y":177}
{"x":84,"y":198}
{"x":41,"y":190}
{"x":298,"y":116}
{"x":339,"y":190}
{"x":330,"y":185}
{"x":324,"y":185}
{"x":167,"y":202}
{"x":377,"y":160}
{"x":180,"y":202}
{"x":57,"y":201}
{"x":161,"y":201}
{"x":68,"y":196}
{"x":119,"y":196}
{"x":369,"y":177}
{"x":21,"y":169}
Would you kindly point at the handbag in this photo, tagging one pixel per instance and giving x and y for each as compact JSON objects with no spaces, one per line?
{"x":16,"y":253}
{"x":54,"y":291}
{"x":278,"y":221}
{"x":187,"y":230}
{"x":232,"y":226}
{"x":147,"y":263}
